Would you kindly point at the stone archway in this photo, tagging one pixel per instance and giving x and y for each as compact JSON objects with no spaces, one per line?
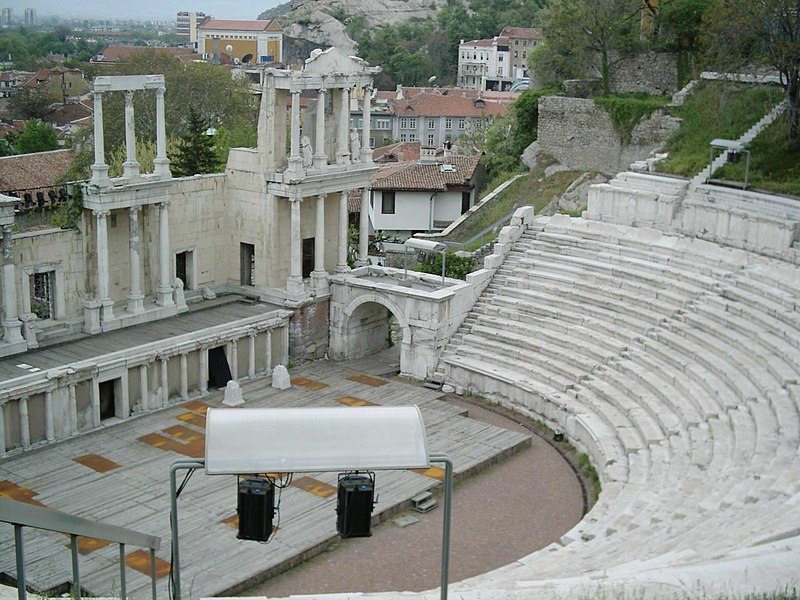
{"x":364,"y":328}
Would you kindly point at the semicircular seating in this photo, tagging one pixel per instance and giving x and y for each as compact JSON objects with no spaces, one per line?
{"x":675,"y":364}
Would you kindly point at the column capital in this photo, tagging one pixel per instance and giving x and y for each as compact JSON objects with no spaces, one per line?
{"x":128,"y":96}
{"x":165,"y":203}
{"x":102,"y":213}
{"x":134,"y":209}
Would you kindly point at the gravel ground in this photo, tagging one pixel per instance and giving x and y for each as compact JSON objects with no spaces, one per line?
{"x":503,"y":513}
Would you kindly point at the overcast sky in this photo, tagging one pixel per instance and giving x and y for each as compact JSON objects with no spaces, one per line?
{"x":141,"y":9}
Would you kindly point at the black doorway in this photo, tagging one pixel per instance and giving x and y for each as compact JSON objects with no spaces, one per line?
{"x":219,"y":372}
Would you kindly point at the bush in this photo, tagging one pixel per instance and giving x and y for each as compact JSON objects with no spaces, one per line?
{"x":627,"y":110}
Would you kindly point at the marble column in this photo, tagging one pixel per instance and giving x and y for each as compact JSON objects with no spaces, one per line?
{"x":49,"y":426}
{"x":268,"y":352}
{"x":251,"y":355}
{"x":73,"y":408}
{"x":295,"y":159}
{"x":11,"y":324}
{"x":184,"y":376}
{"x":107,"y":305}
{"x":99,"y":168}
{"x":341,"y":263}
{"x":363,"y":229}
{"x":164,"y":380}
{"x":203,"y":376}
{"x":366,"y":152}
{"x":294,"y":284}
{"x":2,"y":430}
{"x":161,"y":162}
{"x":319,"y":276}
{"x":135,"y":296}
{"x":320,"y":158}
{"x":144,"y":388}
{"x":343,"y":136}
{"x":165,"y":287}
{"x":131,"y":165}
{"x":24,"y":423}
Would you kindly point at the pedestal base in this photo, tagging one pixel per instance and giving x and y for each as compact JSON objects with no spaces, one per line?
{"x":136,"y":303}
{"x":165,"y":297}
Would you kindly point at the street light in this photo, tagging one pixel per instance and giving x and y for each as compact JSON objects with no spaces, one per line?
{"x":425,"y":246}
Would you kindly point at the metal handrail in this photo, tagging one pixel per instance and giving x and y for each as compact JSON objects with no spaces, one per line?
{"x":20,"y":514}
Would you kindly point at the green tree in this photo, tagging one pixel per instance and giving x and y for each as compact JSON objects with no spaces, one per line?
{"x":195,"y":152}
{"x":36,"y":137}
{"x":586,"y":35}
{"x":31,"y":103}
{"x":741,"y":34}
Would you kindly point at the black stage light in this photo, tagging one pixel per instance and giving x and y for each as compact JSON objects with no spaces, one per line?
{"x":354,"y":504}
{"x":256,"y":507}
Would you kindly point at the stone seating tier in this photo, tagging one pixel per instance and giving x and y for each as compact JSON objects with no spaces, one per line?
{"x":677,"y":372}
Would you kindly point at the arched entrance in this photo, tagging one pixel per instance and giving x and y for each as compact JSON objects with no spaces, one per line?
{"x":371,"y":323}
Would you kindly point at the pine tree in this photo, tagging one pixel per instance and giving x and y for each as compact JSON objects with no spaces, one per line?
{"x":195,"y":153}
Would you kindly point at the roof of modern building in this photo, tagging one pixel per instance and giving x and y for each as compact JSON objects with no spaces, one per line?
{"x":530,"y":33}
{"x":497,"y":40}
{"x":112,"y":54}
{"x":43,"y":75}
{"x":239,"y":25}
{"x":446,"y":173}
{"x":39,"y":170}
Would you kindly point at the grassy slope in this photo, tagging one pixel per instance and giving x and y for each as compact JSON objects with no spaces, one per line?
{"x":728,"y":110}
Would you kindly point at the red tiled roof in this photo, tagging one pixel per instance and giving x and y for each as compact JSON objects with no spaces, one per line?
{"x":33,"y":171}
{"x":450,"y":105}
{"x":112,"y":54}
{"x":529,"y":33}
{"x":499,"y":40}
{"x":69,"y":113}
{"x":401,"y":151}
{"x":231,"y":25}
{"x":43,"y":75}
{"x":423,"y":177}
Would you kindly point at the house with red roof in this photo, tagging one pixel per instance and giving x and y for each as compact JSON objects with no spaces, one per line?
{"x":425,"y":195}
{"x":435,"y":117}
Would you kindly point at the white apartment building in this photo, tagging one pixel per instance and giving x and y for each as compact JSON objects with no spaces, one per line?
{"x":485,"y":65}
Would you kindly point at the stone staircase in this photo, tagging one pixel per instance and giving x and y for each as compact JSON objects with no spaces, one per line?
{"x":745,"y":141}
{"x":675,"y":364}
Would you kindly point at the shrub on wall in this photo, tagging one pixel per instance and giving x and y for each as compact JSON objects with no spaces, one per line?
{"x":627,"y":110}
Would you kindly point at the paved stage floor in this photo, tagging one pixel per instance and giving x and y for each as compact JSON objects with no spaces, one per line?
{"x":119,"y":475}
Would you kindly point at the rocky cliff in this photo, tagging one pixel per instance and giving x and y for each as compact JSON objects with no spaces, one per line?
{"x":324,"y":21}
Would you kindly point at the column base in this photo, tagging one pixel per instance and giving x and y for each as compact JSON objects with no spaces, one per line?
{"x":294,"y":285}
{"x":106,"y":310}
{"x":165,"y":297}
{"x":342,"y":269}
{"x":91,"y":316}
{"x":343,"y":159}
{"x":100,"y":176}
{"x":320,"y":161}
{"x":130,"y":170}
{"x":319,"y":281}
{"x":12,"y":331}
{"x":161,"y":168}
{"x":136,"y":303}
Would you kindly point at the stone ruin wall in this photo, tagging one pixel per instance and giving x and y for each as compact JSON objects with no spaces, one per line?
{"x":579,"y":134}
{"x":651,"y":73}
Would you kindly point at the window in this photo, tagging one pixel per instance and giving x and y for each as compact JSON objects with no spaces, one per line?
{"x":516,"y":54}
{"x":499,"y":70}
{"x":448,"y":123}
{"x":382,"y":124}
{"x":431,"y":123}
{"x":412,"y":137}
{"x":41,"y":291}
{"x":524,"y":54}
{"x":462,"y":123}
{"x":430,"y":139}
{"x":516,"y":42}
{"x":500,"y":58}
{"x":403,"y":137}
{"x":408,"y":123}
{"x":387,"y":203}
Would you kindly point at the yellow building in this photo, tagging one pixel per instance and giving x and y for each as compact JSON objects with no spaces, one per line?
{"x":249,"y":41}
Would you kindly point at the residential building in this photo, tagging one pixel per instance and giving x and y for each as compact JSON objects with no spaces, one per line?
{"x":33,"y":179}
{"x":426,"y":195}
{"x":64,"y":82}
{"x":30,"y":16}
{"x":187,"y":22}
{"x":432,"y":116}
{"x":245,"y":41}
{"x":7,"y":17}
{"x":521,"y":42}
{"x":485,"y":65}
{"x":9,"y":80}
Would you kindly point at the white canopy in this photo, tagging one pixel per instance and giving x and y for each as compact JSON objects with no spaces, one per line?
{"x":303,"y":440}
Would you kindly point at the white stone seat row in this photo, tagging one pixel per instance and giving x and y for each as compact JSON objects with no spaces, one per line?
{"x":672,"y":367}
